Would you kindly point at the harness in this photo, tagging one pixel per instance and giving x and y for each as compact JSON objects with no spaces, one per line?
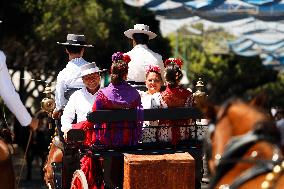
{"x":237,"y":147}
{"x":57,"y":142}
{"x":5,"y":133}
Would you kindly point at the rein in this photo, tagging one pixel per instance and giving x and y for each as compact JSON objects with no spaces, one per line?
{"x":23,"y":161}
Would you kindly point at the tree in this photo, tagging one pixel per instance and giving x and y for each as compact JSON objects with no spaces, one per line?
{"x":225,"y":75}
{"x":33,"y":27}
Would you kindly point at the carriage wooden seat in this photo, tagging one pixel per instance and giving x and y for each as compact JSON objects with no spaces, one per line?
{"x":193,"y":146}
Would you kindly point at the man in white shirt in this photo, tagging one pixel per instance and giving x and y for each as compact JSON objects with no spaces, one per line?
{"x":67,"y":79}
{"x":141,"y":55}
{"x":81,"y":101}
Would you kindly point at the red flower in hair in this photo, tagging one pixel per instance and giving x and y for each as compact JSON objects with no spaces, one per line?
{"x":119,"y":56}
{"x":152,"y":68}
{"x":126,"y":58}
{"x":176,"y":61}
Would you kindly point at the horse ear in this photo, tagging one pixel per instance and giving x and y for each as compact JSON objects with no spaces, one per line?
{"x":208,"y":109}
{"x":260,"y":100}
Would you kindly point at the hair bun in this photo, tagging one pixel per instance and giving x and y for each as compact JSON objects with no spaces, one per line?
{"x":176,"y":61}
{"x":120,"y":56}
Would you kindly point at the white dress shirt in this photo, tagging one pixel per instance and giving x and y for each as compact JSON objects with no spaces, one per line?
{"x":80,"y":103}
{"x":68,"y":78}
{"x":141,"y":56}
{"x":10,"y":96}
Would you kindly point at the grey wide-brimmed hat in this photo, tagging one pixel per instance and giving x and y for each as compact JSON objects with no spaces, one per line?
{"x":76,"y":40}
{"x":140,"y":28}
{"x":89,"y":69}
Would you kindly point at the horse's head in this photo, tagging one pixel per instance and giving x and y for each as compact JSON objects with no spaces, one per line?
{"x":234,"y":127}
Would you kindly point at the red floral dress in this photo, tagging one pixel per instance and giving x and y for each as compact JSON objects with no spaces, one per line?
{"x":170,"y":98}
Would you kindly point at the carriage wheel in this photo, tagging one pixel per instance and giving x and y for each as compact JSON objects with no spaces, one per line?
{"x":79,"y":180}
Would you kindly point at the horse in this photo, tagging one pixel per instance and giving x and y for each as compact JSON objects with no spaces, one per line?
{"x":242,"y":147}
{"x":7,"y":175}
{"x":55,"y":155}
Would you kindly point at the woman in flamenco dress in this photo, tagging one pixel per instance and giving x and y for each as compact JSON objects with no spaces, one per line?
{"x":174,"y":96}
{"x":118,"y":95}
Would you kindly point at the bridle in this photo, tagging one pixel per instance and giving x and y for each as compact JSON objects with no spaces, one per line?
{"x":5,"y":132}
{"x":211,"y":128}
{"x":237,"y":147}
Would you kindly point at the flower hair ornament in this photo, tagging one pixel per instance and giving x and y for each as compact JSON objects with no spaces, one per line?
{"x":176,"y":61}
{"x":152,"y":68}
{"x":119,"y":63}
{"x":120,"y":56}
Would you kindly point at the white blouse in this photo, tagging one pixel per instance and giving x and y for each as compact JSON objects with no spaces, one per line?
{"x":149,"y":101}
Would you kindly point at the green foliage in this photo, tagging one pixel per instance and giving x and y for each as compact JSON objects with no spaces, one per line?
{"x":31,"y":29}
{"x":225,"y":75}
{"x":103,"y":23}
{"x":275,"y":91}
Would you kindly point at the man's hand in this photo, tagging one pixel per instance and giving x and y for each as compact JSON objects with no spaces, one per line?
{"x":34,"y":124}
{"x":56,"y":114}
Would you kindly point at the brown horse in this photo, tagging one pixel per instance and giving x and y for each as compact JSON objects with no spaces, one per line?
{"x":55,"y":155}
{"x":7,"y":176}
{"x":243,"y":142}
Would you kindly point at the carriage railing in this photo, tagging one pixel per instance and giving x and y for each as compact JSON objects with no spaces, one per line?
{"x":158,"y":136}
{"x":75,"y":138}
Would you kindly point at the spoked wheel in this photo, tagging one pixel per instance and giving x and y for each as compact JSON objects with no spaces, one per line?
{"x":79,"y":180}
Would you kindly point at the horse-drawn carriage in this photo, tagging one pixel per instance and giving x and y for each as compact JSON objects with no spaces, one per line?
{"x":113,"y":176}
{"x":243,"y":151}
{"x":66,"y":173}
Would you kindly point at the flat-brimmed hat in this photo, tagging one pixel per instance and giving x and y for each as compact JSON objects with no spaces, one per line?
{"x":140,"y":28}
{"x":75,"y":40}
{"x":89,"y":69}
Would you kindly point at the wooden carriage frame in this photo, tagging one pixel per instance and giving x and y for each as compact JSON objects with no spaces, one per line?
{"x":73,"y":149}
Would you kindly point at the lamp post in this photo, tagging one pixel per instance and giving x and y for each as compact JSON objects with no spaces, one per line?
{"x":199,"y":95}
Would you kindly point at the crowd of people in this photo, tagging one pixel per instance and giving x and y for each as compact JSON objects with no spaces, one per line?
{"x":129,"y":71}
{"x":78,"y":92}
{"x":139,"y":79}
{"x":129,"y":74}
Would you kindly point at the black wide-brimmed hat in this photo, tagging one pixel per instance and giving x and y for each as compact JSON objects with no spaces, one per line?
{"x":75,"y":40}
